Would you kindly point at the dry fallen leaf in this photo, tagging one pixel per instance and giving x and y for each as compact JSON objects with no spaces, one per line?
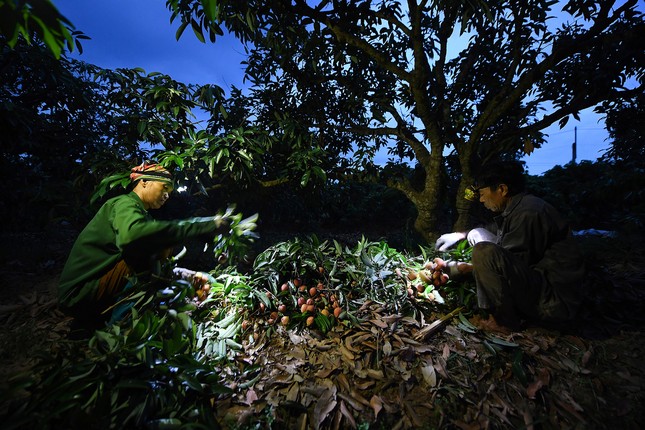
{"x":251,"y":397}
{"x":359,"y":398}
{"x":542,"y":380}
{"x":429,"y":374}
{"x":325,"y":404}
{"x":387,"y":348}
{"x":446,"y":351}
{"x":347,"y":415}
{"x":379,"y":323}
{"x":585,"y":358}
{"x":342,"y":381}
{"x":440,"y":366}
{"x":346,"y":353}
{"x":355,"y":404}
{"x":377,"y":404}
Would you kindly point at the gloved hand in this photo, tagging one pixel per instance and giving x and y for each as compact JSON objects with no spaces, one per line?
{"x":448,"y":240}
{"x":458,"y":269}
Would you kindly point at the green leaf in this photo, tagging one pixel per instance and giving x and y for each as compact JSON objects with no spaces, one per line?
{"x":186,"y":320}
{"x":305,"y":179}
{"x":518,"y":370}
{"x":501,"y":342}
{"x":320,"y":173}
{"x":164,"y":424}
{"x":467,"y":325}
{"x":51,"y":43}
{"x":197,"y":30}
{"x":141,"y":127}
{"x":249,"y":20}
{"x":491,"y":348}
{"x":263,"y":297}
{"x":210,"y":9}
{"x":106,"y":338}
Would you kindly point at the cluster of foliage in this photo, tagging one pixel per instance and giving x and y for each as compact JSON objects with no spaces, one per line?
{"x":627,"y":131}
{"x":70,"y":125}
{"x":140,"y":373}
{"x":598,"y":195}
{"x":75,"y":130}
{"x":27,"y":20}
{"x":334,"y":280}
{"x":160,"y":367}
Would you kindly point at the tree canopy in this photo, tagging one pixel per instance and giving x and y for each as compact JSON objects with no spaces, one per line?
{"x":442,"y":86}
{"x":363,"y":76}
{"x":627,"y":131}
{"x":37,"y":20}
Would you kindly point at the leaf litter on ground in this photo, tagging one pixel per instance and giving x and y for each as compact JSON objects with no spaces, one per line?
{"x":378,"y":371}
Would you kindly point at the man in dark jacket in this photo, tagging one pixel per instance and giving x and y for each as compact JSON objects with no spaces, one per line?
{"x":123,"y":242}
{"x":525,"y":264}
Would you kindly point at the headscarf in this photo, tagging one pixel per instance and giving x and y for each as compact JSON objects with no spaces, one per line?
{"x":151,"y":172}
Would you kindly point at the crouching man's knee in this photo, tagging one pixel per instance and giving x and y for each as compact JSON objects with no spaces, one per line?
{"x":485,"y":254}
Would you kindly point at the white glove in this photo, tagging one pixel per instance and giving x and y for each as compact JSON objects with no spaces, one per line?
{"x":477,"y":235}
{"x":448,"y":240}
{"x":458,"y":270}
{"x":453,"y":269}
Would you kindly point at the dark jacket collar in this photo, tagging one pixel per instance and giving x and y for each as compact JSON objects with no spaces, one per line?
{"x":512,"y":204}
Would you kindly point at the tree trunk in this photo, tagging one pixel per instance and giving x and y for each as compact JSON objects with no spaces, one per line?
{"x":463,"y":206}
{"x":426,"y":221}
{"x":426,"y":202}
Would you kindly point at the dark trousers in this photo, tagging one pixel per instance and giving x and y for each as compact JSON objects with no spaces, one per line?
{"x":95,"y":312}
{"x":506,"y":285}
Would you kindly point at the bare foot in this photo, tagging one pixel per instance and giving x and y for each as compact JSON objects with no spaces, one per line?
{"x":490,"y":325}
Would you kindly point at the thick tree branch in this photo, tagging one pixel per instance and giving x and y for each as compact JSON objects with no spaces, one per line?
{"x":510,"y":96}
{"x":420,"y":151}
{"x":344,"y":36}
{"x":444,"y":107}
{"x":571,"y":108}
{"x":420,"y":79}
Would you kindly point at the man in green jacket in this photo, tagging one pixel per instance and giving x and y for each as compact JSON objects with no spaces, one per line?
{"x":526,"y":264}
{"x":123,"y":242}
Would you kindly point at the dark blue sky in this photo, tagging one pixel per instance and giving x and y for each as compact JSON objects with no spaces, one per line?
{"x":138,"y":33}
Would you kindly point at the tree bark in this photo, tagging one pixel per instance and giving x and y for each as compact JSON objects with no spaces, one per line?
{"x":427,"y":199}
{"x":463,"y":206}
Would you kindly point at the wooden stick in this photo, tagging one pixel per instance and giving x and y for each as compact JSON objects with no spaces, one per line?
{"x":431,"y":329}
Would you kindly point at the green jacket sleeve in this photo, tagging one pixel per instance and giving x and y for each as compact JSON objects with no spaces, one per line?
{"x":121,"y":229}
{"x":139,"y":234}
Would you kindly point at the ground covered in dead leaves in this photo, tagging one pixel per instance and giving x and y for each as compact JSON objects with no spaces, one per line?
{"x":380,"y":373}
{"x":390,"y":373}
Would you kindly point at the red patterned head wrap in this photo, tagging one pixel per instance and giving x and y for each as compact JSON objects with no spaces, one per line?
{"x":151,"y":172}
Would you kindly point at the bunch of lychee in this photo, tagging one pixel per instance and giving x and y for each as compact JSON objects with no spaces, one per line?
{"x":309,"y":301}
{"x":427,"y":279}
{"x":201,"y":283}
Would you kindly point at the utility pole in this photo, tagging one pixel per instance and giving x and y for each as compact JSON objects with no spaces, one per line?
{"x":574,"y":146}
